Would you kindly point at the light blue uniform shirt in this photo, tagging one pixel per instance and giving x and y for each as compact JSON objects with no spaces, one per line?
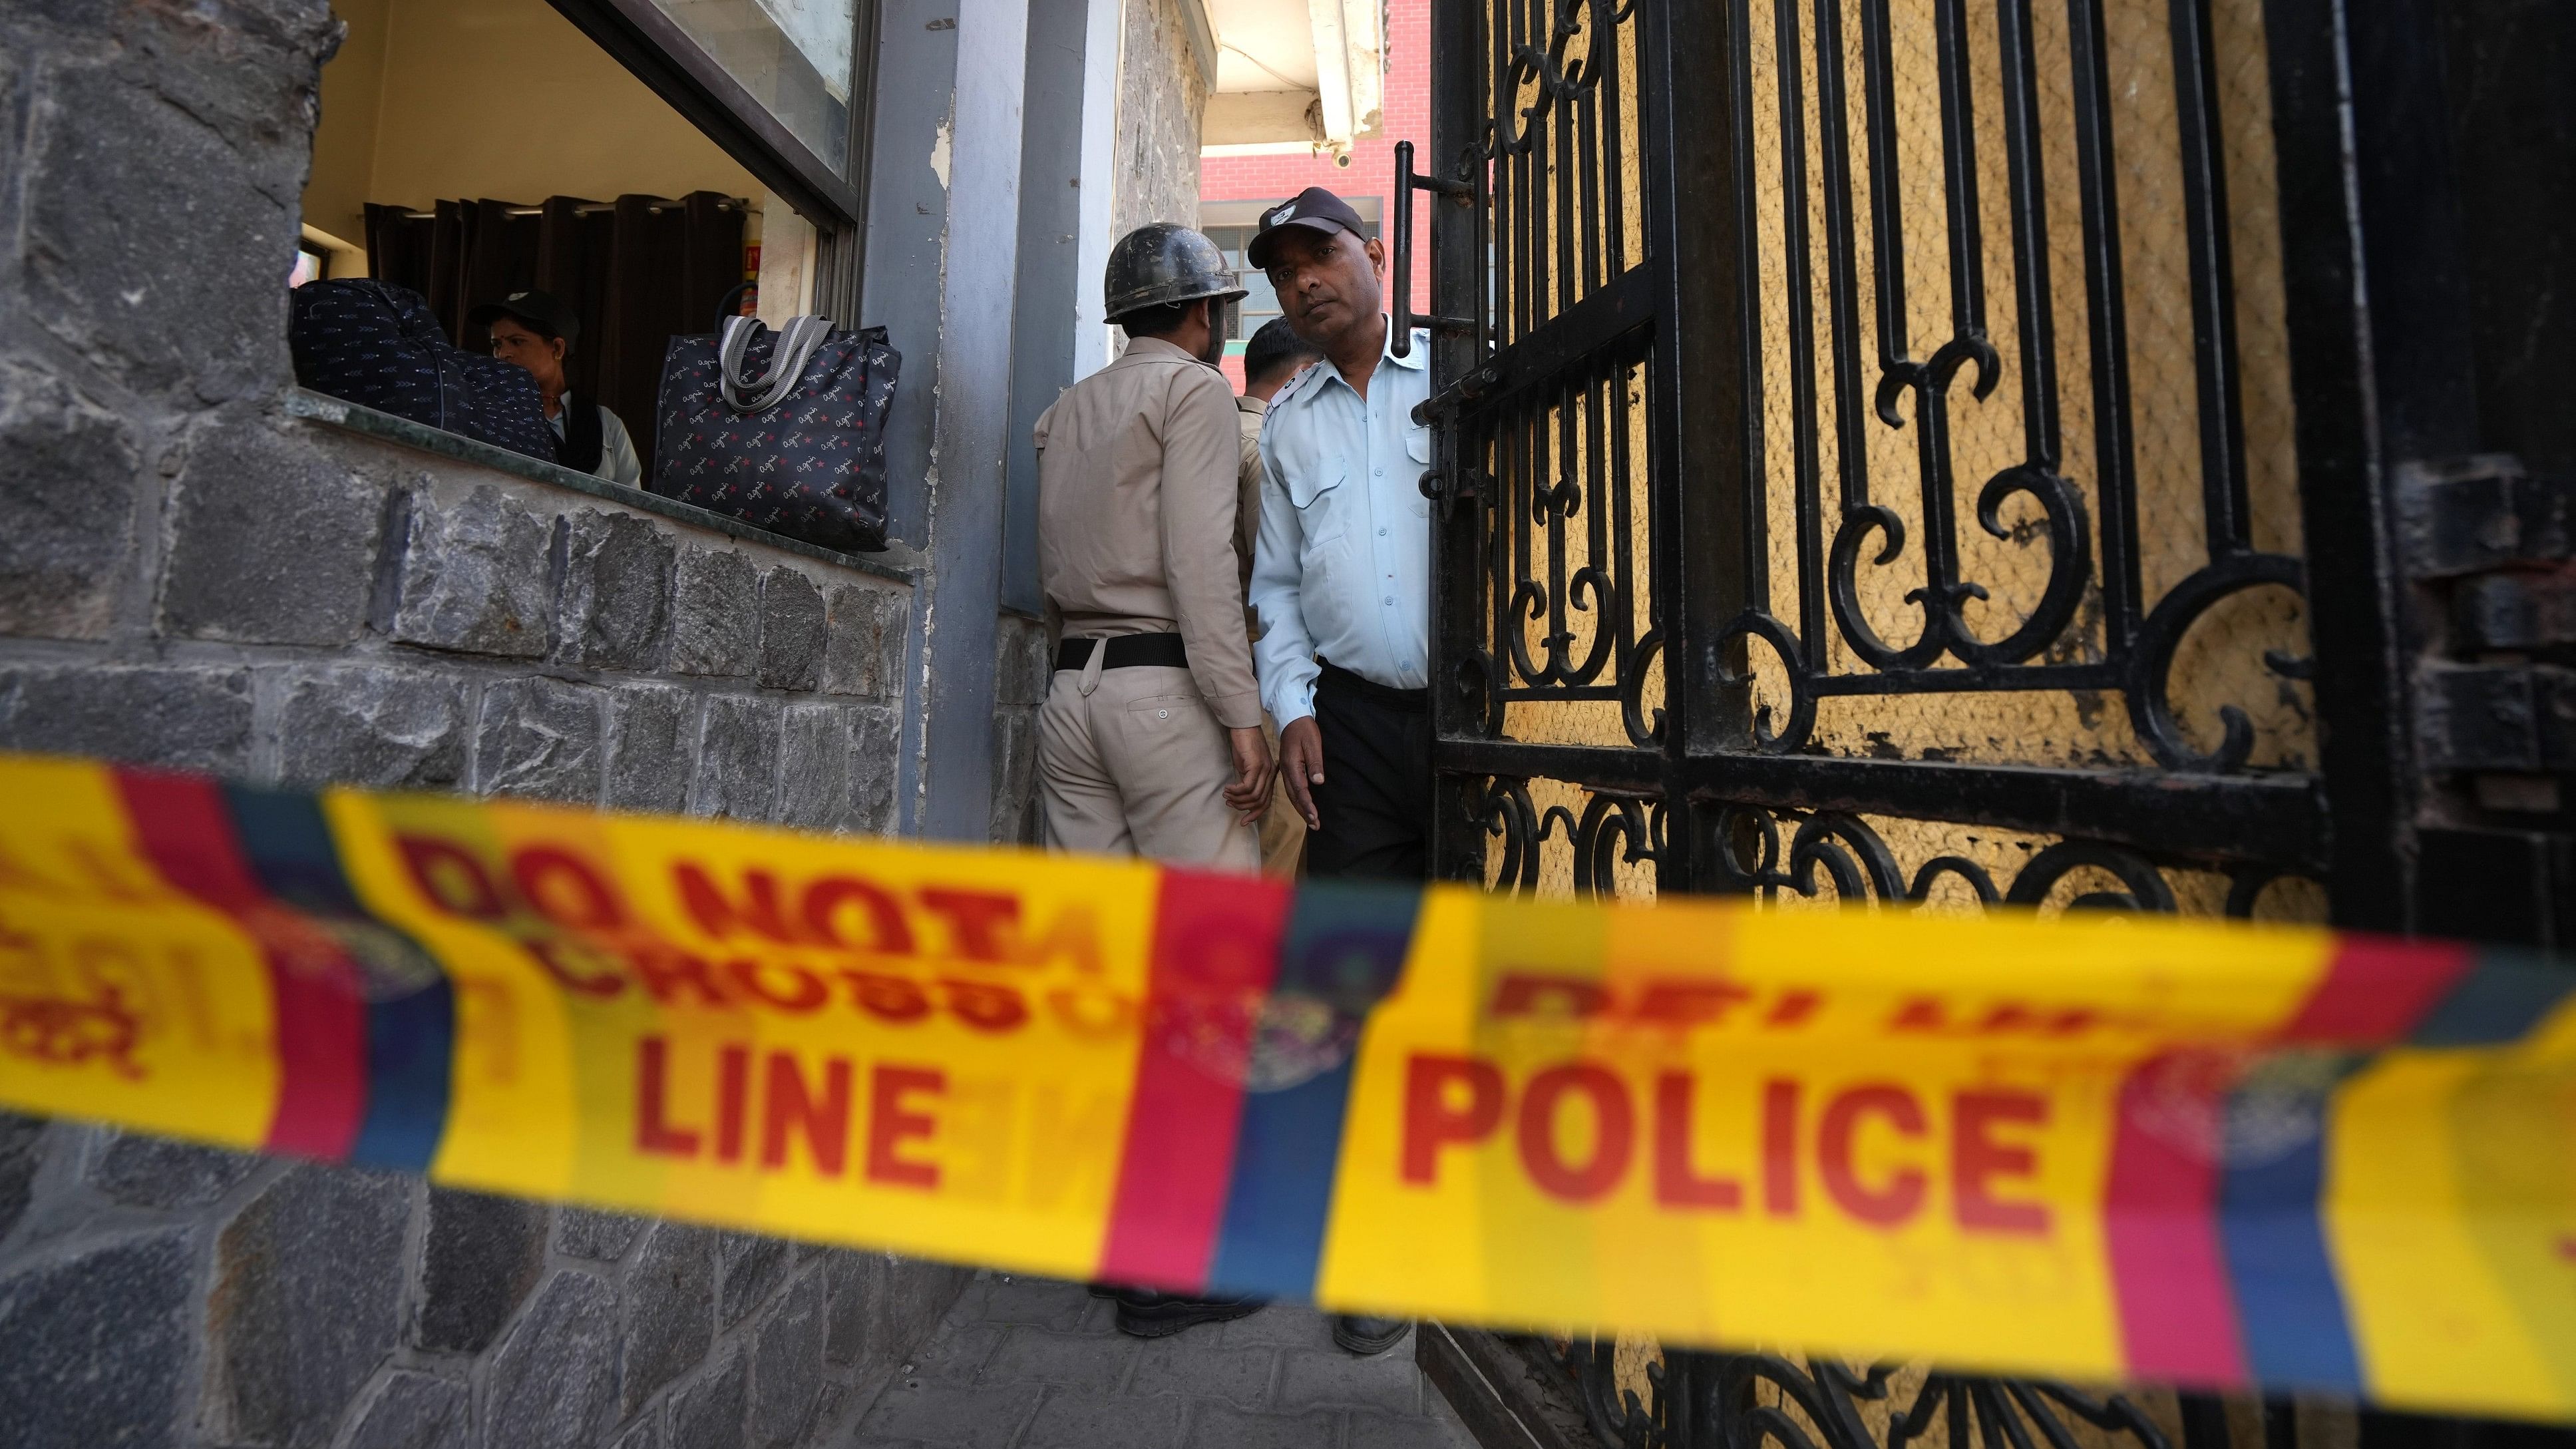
{"x":1343,"y":566}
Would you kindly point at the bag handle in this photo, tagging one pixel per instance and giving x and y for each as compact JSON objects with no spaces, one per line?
{"x":787,"y":359}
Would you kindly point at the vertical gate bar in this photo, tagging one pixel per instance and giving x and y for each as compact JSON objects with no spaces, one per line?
{"x":2107,"y":318}
{"x":1959,"y":168}
{"x":2213,"y":280}
{"x":1754,"y":536}
{"x":1587,"y":156}
{"x":1562,"y":164}
{"x":1458,"y":289}
{"x":1798,"y":286}
{"x":2026,"y":192}
{"x":1833,"y":116}
{"x":1692,"y":97}
{"x":2355,"y":594}
{"x":1614,"y":151}
{"x":1886,"y":204}
{"x":1607,"y":641}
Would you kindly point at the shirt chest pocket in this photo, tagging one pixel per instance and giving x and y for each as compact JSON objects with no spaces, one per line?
{"x":1317,"y":493}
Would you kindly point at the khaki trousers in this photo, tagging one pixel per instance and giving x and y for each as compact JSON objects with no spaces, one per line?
{"x":1130,"y":762}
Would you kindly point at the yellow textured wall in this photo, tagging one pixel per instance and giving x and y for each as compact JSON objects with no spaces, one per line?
{"x":464,"y":99}
{"x":344,"y":146}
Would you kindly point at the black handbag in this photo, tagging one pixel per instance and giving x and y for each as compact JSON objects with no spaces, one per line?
{"x":380,"y":346}
{"x":783,"y":430}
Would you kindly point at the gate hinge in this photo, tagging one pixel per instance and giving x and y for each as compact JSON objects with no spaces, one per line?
{"x":2468,"y":515}
{"x":2510,"y":718}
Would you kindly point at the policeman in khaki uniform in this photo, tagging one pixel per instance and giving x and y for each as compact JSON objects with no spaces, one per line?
{"x":1150,"y":742}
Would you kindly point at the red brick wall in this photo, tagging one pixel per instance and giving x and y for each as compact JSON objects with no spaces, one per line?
{"x":1372,"y":168}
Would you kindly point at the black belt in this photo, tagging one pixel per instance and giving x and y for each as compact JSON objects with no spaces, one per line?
{"x":1340,"y":680}
{"x":1126,"y":651}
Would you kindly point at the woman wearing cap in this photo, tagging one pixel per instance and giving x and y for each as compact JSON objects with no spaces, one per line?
{"x":533,"y":330}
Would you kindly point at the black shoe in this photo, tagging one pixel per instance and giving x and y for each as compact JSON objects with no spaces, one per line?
{"x":1143,"y":1313}
{"x":1365,"y":1336}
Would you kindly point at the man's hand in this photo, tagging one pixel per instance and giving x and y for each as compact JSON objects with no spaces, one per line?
{"x":1301,"y":755}
{"x":1251,"y":788}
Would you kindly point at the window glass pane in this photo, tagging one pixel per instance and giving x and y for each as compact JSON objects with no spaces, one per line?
{"x":1260,"y":302}
{"x":792,"y":55}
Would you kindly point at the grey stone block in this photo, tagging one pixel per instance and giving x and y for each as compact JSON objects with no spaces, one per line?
{"x":539,"y":738}
{"x":616,"y":606}
{"x":474,"y":577}
{"x":791,"y":630}
{"x":1221,"y":1426}
{"x":479,"y":1258}
{"x":586,"y":1233}
{"x":553,"y":1382}
{"x":646,"y":1434}
{"x":1189,"y":1364}
{"x":952,"y":1415}
{"x":67,"y":501}
{"x":178,"y":718}
{"x":1071,"y":1419}
{"x":105,"y":163}
{"x":271,"y":540}
{"x":708,"y":1414}
{"x":1044,"y":1356}
{"x":414,"y":1411}
{"x":954,"y":1354}
{"x":1034,"y":1302}
{"x":738,"y":758}
{"x":1021,"y":667}
{"x":652,"y":749}
{"x":886,"y":1309}
{"x":669,"y":1310}
{"x":715,"y":609}
{"x":21,"y":1140}
{"x":380,"y":724}
{"x":1436,"y":1429}
{"x":1382,"y":1381}
{"x":307,"y":1280}
{"x":838,"y":769}
{"x":787,"y":1364}
{"x":155,"y":1172}
{"x":1015,"y":762}
{"x":863,"y":649}
{"x":753,"y":1267}
{"x":94,"y":1349}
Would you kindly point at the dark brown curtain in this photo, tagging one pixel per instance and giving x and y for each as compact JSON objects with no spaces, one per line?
{"x":639,"y":272}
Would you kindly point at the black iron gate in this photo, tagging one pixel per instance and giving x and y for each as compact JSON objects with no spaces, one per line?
{"x":1915,"y":453}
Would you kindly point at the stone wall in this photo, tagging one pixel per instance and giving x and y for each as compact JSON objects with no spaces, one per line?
{"x":199,"y":569}
{"x":1022,"y":665}
{"x":158,"y":1294}
{"x":1161,"y":99}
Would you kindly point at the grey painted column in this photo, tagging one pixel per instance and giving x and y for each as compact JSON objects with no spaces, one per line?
{"x":1051,"y":253}
{"x":961,"y":594}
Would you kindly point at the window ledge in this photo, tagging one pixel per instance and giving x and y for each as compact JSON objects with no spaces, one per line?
{"x":900,"y":565}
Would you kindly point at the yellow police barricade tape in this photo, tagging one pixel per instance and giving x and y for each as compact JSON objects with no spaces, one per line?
{"x":2206,"y":1153}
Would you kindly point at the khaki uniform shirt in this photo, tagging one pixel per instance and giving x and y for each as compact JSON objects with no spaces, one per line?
{"x":1138,"y":466}
{"x":1247,"y":502}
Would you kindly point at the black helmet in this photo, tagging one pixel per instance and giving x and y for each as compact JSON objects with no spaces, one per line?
{"x":1161,"y":262}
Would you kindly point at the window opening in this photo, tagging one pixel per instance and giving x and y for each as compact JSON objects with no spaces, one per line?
{"x":481,"y":150}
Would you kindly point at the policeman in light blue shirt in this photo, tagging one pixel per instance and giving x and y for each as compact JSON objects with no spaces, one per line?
{"x":1341,"y":574}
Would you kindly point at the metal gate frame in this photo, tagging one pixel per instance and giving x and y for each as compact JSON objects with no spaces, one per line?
{"x":2373,"y":263}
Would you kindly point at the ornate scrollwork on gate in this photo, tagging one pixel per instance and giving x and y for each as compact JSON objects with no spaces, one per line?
{"x":1764,"y":1401}
{"x":1610,"y":842}
{"x":2128,"y":463}
{"x":1834,"y":858}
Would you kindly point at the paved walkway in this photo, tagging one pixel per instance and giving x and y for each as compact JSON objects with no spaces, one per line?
{"x":1024,"y":1363}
